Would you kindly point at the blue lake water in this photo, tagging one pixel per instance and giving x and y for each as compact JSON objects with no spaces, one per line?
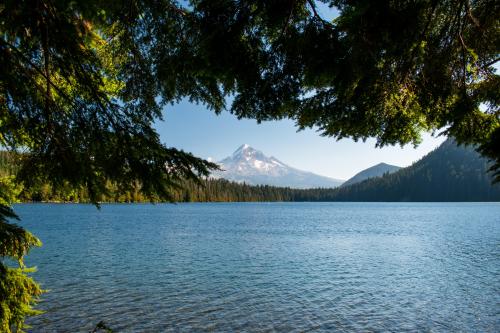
{"x":284,"y":267}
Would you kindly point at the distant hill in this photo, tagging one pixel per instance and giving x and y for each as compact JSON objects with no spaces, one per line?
{"x":372,"y":172}
{"x":449,"y":173}
{"x":251,"y":166}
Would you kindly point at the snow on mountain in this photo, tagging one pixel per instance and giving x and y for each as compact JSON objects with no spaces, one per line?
{"x":251,"y":166}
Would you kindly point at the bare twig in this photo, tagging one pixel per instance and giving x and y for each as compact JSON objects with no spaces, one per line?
{"x":287,"y":23}
{"x":313,"y":8}
{"x":469,"y":13}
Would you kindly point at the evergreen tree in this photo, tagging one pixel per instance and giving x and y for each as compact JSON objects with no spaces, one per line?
{"x":81,"y":82}
{"x":449,"y":173}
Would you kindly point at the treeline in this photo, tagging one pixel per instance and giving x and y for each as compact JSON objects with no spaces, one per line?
{"x":449,"y":173}
{"x":207,"y":190}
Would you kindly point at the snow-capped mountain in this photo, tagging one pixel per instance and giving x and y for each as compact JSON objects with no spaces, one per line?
{"x":251,"y":166}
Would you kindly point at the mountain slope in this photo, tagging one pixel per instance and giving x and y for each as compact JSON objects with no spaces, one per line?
{"x":449,"y":173}
{"x":372,"y":172}
{"x":251,"y":166}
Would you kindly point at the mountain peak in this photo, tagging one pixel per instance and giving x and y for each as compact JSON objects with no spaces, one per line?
{"x":242,"y":148}
{"x":245,"y":151}
{"x":382,"y":164}
{"x":251,"y":166}
{"x":377,"y":170}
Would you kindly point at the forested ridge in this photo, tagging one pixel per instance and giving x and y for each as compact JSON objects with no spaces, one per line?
{"x":449,"y":173}
{"x":83,"y":83}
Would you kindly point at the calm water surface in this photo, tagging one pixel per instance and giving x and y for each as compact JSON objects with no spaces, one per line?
{"x":284,"y":267}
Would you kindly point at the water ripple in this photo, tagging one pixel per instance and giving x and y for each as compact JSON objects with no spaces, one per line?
{"x":281,"y":267}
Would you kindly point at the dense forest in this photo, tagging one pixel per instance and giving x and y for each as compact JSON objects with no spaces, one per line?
{"x":206,"y":190}
{"x":449,"y":173}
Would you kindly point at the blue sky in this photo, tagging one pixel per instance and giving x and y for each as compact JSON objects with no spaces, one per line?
{"x":195,"y":129}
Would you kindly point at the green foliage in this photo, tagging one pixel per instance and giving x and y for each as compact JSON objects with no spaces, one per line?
{"x":82,"y":82}
{"x":18,"y":291}
{"x":15,"y":242}
{"x":77,"y":95}
{"x":449,"y":173}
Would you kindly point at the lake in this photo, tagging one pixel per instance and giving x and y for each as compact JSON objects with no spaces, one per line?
{"x":283,"y":267}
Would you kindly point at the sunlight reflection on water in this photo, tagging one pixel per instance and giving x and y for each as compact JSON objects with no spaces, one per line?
{"x":260,"y":267}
